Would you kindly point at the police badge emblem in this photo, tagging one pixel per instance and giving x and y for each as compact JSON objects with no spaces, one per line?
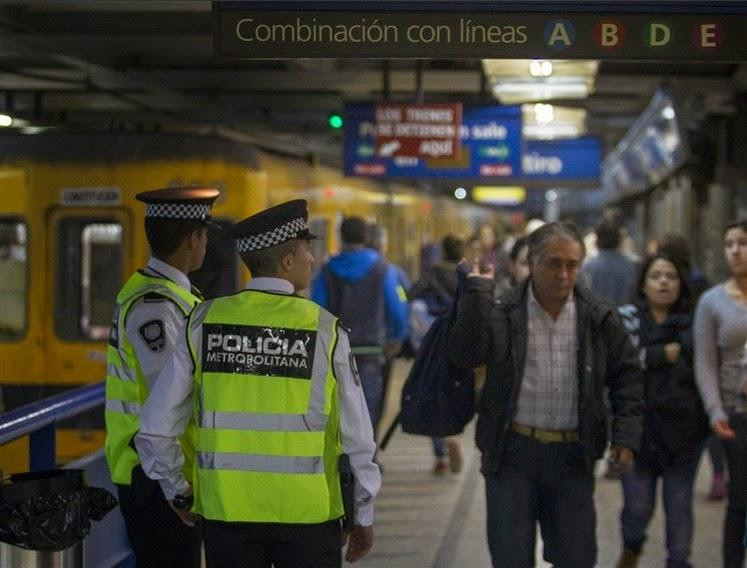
{"x":153,"y":335}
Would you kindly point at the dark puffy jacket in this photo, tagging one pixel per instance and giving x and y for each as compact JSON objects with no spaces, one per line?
{"x":494,"y":332}
{"x":676,"y":424}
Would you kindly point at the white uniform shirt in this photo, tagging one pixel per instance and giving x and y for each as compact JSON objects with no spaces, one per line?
{"x":153,"y":326}
{"x":169,"y":408}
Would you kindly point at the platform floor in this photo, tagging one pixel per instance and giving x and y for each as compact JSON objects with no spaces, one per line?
{"x":422,"y":520}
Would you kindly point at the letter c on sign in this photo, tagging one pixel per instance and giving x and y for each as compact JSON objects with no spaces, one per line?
{"x":238,"y":29}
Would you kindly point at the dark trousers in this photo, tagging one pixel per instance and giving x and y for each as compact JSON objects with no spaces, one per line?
{"x":157,"y":535}
{"x":734,"y":525}
{"x":546,"y":483}
{"x":261,"y":545}
{"x":370,"y":369}
{"x":716,"y":451}
{"x":639,"y":489}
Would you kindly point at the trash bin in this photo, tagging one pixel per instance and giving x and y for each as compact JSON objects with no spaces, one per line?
{"x":45,"y":515}
{"x":15,"y":557}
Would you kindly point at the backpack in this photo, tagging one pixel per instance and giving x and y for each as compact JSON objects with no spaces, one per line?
{"x":438,"y":398}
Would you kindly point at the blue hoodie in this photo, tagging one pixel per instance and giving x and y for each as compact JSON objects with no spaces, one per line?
{"x":353,"y":266}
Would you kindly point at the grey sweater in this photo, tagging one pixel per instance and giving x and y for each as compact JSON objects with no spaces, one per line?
{"x":720,"y":353}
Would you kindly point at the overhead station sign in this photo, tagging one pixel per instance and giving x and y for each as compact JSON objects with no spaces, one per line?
{"x":490,"y":146}
{"x":417,"y":131}
{"x":242,"y":32}
{"x":576,"y":159}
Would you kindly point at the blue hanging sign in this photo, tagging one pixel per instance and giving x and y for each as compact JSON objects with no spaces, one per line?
{"x":491,"y":146}
{"x":577,"y":159}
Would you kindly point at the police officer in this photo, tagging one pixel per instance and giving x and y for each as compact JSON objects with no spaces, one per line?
{"x":277,"y":401}
{"x":150,"y":314}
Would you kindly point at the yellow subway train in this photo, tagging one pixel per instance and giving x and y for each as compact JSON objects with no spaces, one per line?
{"x":71,"y":233}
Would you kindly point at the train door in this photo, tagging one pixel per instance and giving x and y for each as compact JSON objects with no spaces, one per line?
{"x":88,"y":256}
{"x":87,"y":253}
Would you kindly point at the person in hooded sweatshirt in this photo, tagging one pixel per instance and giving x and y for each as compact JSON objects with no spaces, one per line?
{"x":363,"y":290}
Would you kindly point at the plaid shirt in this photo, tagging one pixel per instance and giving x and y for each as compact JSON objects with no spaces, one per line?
{"x":549,"y":390}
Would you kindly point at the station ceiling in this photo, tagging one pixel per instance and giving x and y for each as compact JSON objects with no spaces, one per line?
{"x":148,"y":65}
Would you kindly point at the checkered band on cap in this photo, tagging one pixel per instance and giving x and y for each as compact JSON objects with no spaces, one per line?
{"x":285,"y":232}
{"x":177,"y":210}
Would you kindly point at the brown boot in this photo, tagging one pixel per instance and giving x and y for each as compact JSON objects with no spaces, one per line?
{"x":628,"y":559}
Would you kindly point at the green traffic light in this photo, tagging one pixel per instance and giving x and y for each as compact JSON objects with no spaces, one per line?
{"x":335,"y":121}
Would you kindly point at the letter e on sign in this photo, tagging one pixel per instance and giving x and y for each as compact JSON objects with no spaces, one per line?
{"x":708,"y":35}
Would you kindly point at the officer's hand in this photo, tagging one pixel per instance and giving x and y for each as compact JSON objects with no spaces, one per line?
{"x":359,"y":543}
{"x":188,"y":517}
{"x":621,"y":459}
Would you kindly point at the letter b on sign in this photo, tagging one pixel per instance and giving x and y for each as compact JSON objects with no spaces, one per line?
{"x":609,"y":34}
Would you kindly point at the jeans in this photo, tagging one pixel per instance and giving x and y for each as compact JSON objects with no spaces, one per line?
{"x":639,"y":490}
{"x":372,"y":380}
{"x":734,"y":524}
{"x":547,"y":483}
{"x":439,"y":447}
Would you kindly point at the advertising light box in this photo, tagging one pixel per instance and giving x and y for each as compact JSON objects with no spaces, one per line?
{"x":490,"y":146}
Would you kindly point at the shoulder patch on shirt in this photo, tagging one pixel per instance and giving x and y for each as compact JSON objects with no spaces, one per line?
{"x":153,"y":335}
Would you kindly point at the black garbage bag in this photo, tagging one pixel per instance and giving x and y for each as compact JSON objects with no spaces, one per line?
{"x":50,"y":510}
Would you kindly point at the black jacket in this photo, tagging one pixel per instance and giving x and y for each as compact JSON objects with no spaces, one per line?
{"x":675,"y":423}
{"x":494,"y":332}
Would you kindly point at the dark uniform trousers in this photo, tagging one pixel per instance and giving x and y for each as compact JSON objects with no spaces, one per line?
{"x":157,"y":535}
{"x":261,"y":545}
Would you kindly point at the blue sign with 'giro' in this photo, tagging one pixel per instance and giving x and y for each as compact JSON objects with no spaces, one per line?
{"x":578,"y":159}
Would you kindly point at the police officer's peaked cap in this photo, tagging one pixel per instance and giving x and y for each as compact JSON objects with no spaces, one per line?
{"x":191,"y":203}
{"x":272,"y":227}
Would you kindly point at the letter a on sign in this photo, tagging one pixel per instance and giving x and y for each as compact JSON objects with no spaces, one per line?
{"x":559,"y":33}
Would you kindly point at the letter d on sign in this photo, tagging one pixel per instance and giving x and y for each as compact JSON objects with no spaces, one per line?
{"x":659,"y":35}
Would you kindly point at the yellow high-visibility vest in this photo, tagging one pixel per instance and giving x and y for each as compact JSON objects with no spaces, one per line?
{"x":126,"y":387}
{"x":267,"y":409}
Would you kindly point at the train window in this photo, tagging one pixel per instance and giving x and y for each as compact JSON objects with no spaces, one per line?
{"x":217,"y":275}
{"x":13,"y":279}
{"x":89,"y":275}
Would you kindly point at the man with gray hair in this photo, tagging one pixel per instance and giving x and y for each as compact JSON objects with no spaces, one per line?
{"x":551,"y":348}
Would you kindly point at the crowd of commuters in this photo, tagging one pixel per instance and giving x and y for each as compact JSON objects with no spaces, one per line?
{"x":577,"y":356}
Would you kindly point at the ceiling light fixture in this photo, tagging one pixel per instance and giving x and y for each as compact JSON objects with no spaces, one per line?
{"x":540,"y":68}
{"x":543,"y":113}
{"x":550,"y":131}
{"x":512,"y":92}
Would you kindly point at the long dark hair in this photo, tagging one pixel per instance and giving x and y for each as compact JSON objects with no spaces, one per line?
{"x":684,"y":302}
